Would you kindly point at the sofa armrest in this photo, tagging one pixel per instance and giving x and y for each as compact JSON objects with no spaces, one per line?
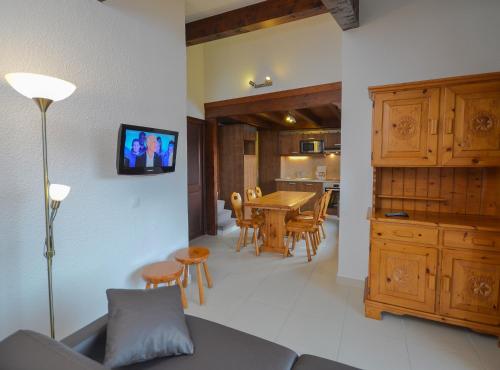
{"x":90,"y":340}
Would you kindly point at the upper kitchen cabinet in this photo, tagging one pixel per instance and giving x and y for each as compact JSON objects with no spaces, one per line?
{"x":447,"y":122}
{"x":405,"y":128}
{"x":471,"y":117}
{"x":289,"y":143}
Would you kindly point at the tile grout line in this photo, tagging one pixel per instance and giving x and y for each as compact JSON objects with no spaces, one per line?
{"x":343,"y":325}
{"x":406,"y":345}
{"x":474,"y":347}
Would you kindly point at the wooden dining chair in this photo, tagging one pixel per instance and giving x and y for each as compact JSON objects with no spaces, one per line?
{"x":308,"y":215}
{"x":258,"y":192}
{"x":244,"y":224}
{"x":308,"y":228}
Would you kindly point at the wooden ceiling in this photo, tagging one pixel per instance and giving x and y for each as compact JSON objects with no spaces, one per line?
{"x":320,"y":117}
{"x":312,"y":107}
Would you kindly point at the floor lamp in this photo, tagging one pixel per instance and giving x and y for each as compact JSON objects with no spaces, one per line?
{"x":45,"y":90}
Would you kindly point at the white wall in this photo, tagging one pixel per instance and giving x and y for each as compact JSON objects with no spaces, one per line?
{"x":196,"y":81}
{"x":400,"y":40}
{"x":296,"y":54}
{"x":127,"y":58}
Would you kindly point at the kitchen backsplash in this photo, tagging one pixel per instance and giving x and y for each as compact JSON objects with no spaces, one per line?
{"x":305,"y":166}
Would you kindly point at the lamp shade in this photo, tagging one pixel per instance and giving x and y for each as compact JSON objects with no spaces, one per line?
{"x":34,"y":85}
{"x":58,"y":192}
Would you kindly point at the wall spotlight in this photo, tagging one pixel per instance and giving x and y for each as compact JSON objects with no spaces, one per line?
{"x":267,"y":82}
{"x":289,"y":118}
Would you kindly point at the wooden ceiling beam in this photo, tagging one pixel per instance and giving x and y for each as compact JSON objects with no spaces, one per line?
{"x":345,"y":12}
{"x":308,"y":116}
{"x":252,"y":121}
{"x":251,"y":18}
{"x":305,"y":97}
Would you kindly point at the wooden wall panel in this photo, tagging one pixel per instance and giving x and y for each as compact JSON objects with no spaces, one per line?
{"x":230,"y":161}
{"x":269,"y":160}
{"x":473,"y":191}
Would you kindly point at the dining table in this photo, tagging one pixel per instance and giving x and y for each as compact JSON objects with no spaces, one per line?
{"x":275,"y":207}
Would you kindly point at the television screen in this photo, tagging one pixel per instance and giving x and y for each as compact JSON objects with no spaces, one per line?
{"x":144,"y":150}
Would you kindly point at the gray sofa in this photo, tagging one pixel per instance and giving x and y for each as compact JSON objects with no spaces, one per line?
{"x":217,"y":347}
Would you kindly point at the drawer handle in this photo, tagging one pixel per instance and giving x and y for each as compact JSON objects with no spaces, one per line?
{"x":483,"y":242}
{"x":432,"y":282}
{"x":446,"y":283}
{"x":403,"y":234}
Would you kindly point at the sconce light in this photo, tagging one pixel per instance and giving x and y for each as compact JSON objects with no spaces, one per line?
{"x":267,"y":82}
{"x":289,"y":118}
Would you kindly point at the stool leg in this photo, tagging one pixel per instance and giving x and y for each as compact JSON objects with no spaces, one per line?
{"x":287,"y":247}
{"x":257,"y":252}
{"x":245,"y":237}
{"x":200,"y":284}
{"x":323,"y":230}
{"x":207,"y":275}
{"x":239,"y":240}
{"x":186,"y":272}
{"x":183,"y":292}
{"x":148,"y":285}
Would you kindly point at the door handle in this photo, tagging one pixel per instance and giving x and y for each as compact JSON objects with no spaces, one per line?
{"x":434,"y":125}
{"x":432,"y":282}
{"x":446,"y":283}
{"x":449,"y":125}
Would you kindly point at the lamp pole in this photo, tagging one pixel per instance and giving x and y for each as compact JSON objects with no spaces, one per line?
{"x":49,"y":253}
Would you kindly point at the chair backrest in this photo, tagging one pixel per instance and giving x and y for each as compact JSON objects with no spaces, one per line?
{"x":318,"y":208}
{"x":237,"y":205}
{"x":258,"y":192}
{"x":251,"y":194}
{"x":328,"y":196}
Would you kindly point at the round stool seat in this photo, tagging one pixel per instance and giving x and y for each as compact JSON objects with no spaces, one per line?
{"x":165,"y":272}
{"x":162,"y":272}
{"x":198,"y":256}
{"x":192,"y":255}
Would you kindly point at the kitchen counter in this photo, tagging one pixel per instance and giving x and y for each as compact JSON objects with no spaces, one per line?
{"x":303,"y":179}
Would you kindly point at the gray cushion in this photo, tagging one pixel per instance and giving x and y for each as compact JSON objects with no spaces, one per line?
{"x":145,"y":324}
{"x":27,"y":350}
{"x":218,"y":347}
{"x":309,"y":362}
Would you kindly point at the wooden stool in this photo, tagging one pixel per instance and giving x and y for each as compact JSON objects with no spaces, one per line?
{"x":195,"y":256}
{"x":165,"y":272}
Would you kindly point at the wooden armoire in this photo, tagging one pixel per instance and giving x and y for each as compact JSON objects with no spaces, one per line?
{"x":436,"y":156}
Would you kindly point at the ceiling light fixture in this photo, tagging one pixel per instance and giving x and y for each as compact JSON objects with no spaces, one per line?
{"x":267,"y":82}
{"x":289,"y":118}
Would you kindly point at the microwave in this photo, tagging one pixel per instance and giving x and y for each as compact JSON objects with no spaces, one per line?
{"x":311,"y":146}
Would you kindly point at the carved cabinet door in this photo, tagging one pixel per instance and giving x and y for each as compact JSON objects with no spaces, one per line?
{"x":470,"y":285}
{"x":405,"y":128}
{"x":403,"y":275}
{"x":471,"y":133}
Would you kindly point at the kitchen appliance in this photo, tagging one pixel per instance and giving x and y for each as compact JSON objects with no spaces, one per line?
{"x":335,"y":149}
{"x":312,"y":146}
{"x":333,"y":206}
{"x":321,"y":172}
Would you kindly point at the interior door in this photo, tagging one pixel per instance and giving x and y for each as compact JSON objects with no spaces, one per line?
{"x":196,"y":185}
{"x":405,"y":128}
{"x":470,"y":285}
{"x":471,"y":134}
{"x":403,"y":275}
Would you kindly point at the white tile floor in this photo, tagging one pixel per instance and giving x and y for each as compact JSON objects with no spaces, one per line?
{"x":302,"y":306}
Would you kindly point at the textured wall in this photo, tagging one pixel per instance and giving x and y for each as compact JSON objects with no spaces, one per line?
{"x":128,"y":61}
{"x":296,"y":54}
{"x":398,"y":41}
{"x":196,"y":81}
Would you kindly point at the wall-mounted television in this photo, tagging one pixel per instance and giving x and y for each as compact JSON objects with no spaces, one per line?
{"x":145,"y":150}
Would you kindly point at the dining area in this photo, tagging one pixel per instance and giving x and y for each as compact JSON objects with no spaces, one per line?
{"x":277,"y":222}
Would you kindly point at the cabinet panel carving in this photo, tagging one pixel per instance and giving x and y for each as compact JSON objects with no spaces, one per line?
{"x":403,"y":275}
{"x":405,"y":128}
{"x":471,"y":285}
{"x":472,"y":135}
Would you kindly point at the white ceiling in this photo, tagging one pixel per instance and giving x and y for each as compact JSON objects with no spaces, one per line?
{"x":198,"y":9}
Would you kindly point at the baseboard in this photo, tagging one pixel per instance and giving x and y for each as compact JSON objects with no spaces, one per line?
{"x":342,"y":280}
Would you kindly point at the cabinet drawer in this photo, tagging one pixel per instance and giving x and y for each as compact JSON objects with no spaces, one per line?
{"x":408,"y":233}
{"x":472,"y":239}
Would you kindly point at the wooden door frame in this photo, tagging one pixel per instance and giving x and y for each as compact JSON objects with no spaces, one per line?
{"x":305,"y":97}
{"x":200,"y":122}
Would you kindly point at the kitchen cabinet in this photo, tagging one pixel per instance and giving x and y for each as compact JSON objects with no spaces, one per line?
{"x":289,"y":143}
{"x":316,"y":187}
